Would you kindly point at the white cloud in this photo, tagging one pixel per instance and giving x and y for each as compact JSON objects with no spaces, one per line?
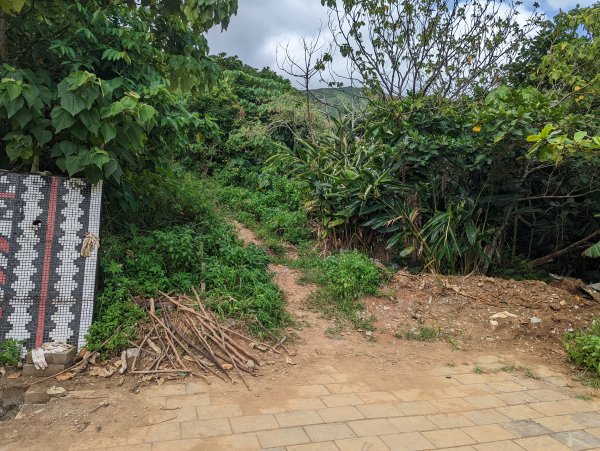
{"x":565,"y":5}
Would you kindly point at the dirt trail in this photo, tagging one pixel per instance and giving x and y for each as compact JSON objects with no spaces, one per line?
{"x":324,"y":370}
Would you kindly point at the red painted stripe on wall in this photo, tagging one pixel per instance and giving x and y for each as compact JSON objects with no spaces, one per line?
{"x":4,"y":245}
{"x":39,"y":338}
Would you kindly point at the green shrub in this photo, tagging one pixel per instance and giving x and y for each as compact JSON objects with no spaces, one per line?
{"x":343,"y":278}
{"x":424,"y":333}
{"x":584,"y":346}
{"x":10,"y":352}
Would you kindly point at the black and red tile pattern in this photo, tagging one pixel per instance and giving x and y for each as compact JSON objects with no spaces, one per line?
{"x":46,"y":287}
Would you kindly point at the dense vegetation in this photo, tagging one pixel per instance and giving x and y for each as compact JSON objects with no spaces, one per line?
{"x":482,"y":157}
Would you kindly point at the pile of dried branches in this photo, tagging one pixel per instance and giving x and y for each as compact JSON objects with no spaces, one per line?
{"x":183,"y":336}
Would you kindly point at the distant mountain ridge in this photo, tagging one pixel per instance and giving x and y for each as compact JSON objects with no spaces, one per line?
{"x":338,"y":100}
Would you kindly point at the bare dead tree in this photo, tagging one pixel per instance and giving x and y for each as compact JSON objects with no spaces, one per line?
{"x":314,"y":54}
{"x":428,"y":47}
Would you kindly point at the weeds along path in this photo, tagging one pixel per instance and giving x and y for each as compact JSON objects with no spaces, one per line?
{"x":287,"y":279}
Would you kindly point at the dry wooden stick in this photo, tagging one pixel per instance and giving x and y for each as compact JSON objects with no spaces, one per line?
{"x":205,"y":342}
{"x":168,"y":338}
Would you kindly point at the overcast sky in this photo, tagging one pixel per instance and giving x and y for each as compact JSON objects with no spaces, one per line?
{"x":260,"y":25}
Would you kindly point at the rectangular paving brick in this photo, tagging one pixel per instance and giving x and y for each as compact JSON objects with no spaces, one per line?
{"x":377,"y":397}
{"x":218,"y":411}
{"x":452,"y":405}
{"x":559,"y":423}
{"x":505,"y":445}
{"x":383,"y":410}
{"x":252,"y":423}
{"x":488,"y":433}
{"x":341,"y":400}
{"x":282,"y":437}
{"x":589,"y":419}
{"x":548,"y":395}
{"x":410,"y":441}
{"x":448,"y":437}
{"x":487,"y":416}
{"x":485,"y":401}
{"x":551,"y":408}
{"x":515,"y":398}
{"x":312,"y":391}
{"x":155,"y":433}
{"x":331,"y":431}
{"x":205,"y":428}
{"x":200,"y":399}
{"x":322,"y":446}
{"x":519,"y":412}
{"x":340,"y":377}
{"x":579,"y":405}
{"x":187,"y":444}
{"x":164,"y":390}
{"x":526,"y":428}
{"x":477,"y":389}
{"x":412,"y":424}
{"x":470,"y":378}
{"x":343,"y":413}
{"x":412,"y":394}
{"x":173,"y":416}
{"x":578,"y":440}
{"x":235,"y":441}
{"x":298,"y":418}
{"x":444,"y":393}
{"x":346,"y":387}
{"x":410,"y":408}
{"x":543,"y":443}
{"x":363,"y":428}
{"x":449,"y":420}
{"x":506,"y":386}
{"x":304,"y":404}
{"x":361,"y":444}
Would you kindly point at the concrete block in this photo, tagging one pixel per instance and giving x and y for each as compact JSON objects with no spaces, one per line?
{"x":51,"y":370}
{"x":56,"y":358}
{"x":37,"y":395}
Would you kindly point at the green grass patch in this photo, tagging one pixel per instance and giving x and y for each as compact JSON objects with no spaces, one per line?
{"x":583,"y":346}
{"x":423,"y":333}
{"x":184,"y":244}
{"x":343,"y":278}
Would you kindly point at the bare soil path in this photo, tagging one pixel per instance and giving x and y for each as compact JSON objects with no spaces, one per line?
{"x":349,"y":392}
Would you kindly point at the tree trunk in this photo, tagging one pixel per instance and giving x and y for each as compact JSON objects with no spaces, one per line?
{"x":572,"y":247}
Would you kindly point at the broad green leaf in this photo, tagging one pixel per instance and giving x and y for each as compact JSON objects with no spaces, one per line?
{"x":13,"y":106}
{"x":593,"y":251}
{"x":61,"y":119}
{"x":73,"y":164}
{"x":91,"y":120}
{"x":146,"y":114}
{"x":100,"y":158}
{"x":112,"y":169}
{"x":579,"y":136}
{"x":23,"y":117}
{"x":13,"y":89}
{"x":42,"y":136}
{"x":73,"y":103}
{"x":109,"y":131}
{"x":471,"y":232}
{"x":407,"y":251}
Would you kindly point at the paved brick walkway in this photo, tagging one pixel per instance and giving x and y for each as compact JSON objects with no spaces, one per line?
{"x":446,"y":407}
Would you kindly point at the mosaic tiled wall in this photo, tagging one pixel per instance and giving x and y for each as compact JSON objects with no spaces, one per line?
{"x":46,"y":286}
